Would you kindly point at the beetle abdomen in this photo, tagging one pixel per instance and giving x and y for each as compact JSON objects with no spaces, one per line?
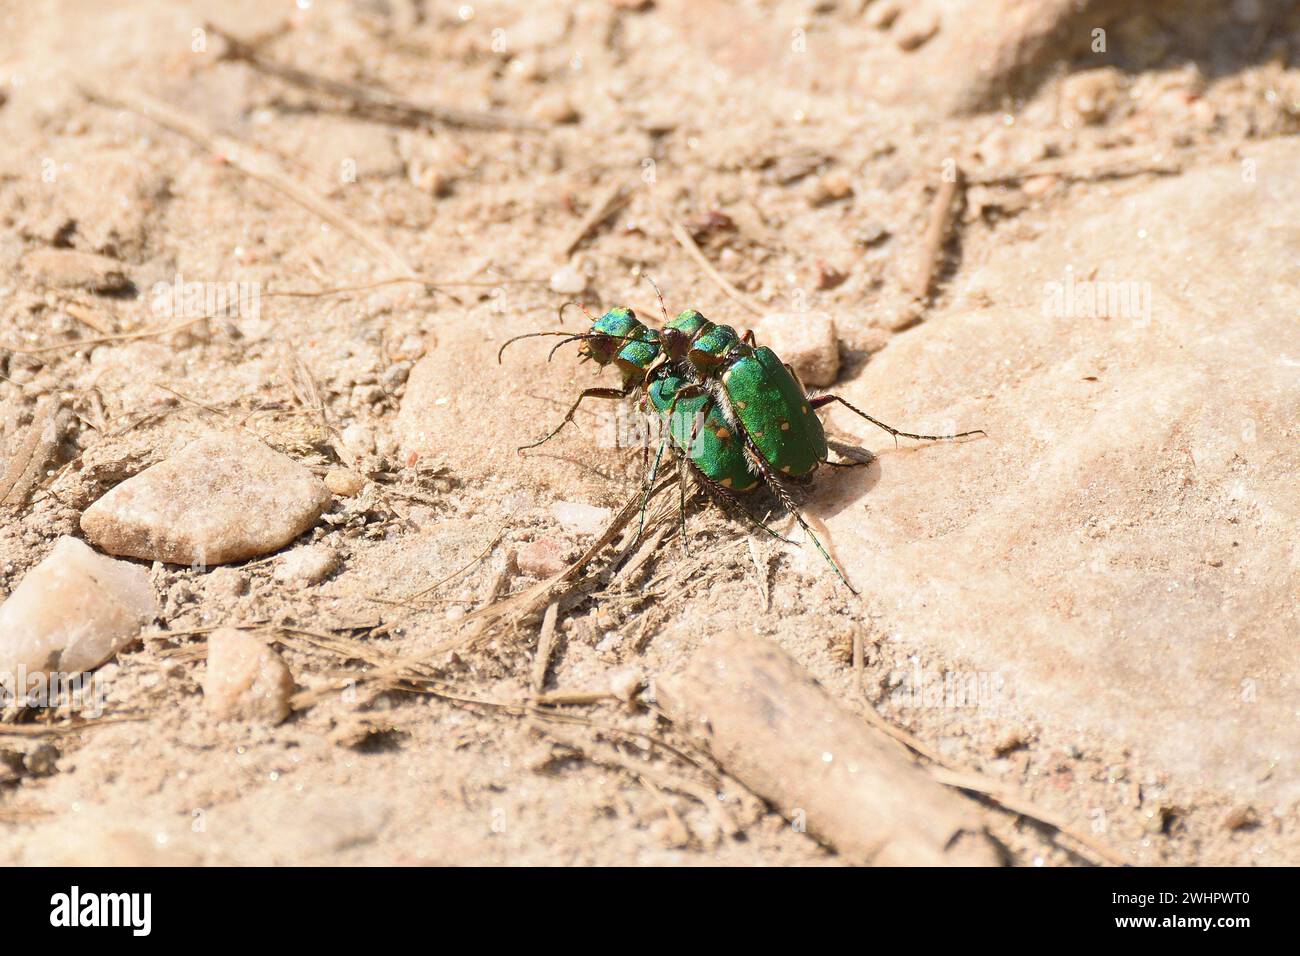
{"x":717,"y":451}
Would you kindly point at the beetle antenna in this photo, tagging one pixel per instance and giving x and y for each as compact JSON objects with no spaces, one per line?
{"x":526,"y":335}
{"x":574,"y":302}
{"x":659,"y":295}
{"x":568,"y":337}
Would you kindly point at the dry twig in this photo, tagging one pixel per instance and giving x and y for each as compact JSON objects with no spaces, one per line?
{"x":545,"y":646}
{"x":937,"y":232}
{"x":684,"y":239}
{"x":371,"y":103}
{"x":615,"y":196}
{"x":252,"y":162}
{"x":35,"y":452}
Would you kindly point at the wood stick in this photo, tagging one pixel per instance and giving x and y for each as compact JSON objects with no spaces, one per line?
{"x":768,"y":723}
{"x":572,"y":698}
{"x":545,"y":646}
{"x":936,"y":237}
{"x":75,"y":726}
{"x":106,"y":339}
{"x":1101,"y":165}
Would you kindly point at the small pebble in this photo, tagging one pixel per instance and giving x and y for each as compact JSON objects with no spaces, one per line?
{"x":436,"y":182}
{"x":568,"y":280}
{"x":806,"y":340}
{"x":1006,"y":148}
{"x":1241,"y":818}
{"x":1038,"y":185}
{"x":246,"y":679}
{"x":882,"y":14}
{"x":1012,"y":740}
{"x":1089,"y":95}
{"x":581,"y":518}
{"x":72,"y":612}
{"x":343,"y":482}
{"x":626,"y":682}
{"x":554,"y":108}
{"x":11,"y":766}
{"x":870,"y":233}
{"x":543,"y":558}
{"x":834,"y":186}
{"x":41,"y":761}
{"x":915,"y":27}
{"x":828,"y":277}
{"x":364,"y":396}
{"x":395,"y":375}
{"x":309,"y":564}
{"x":226,"y":583}
{"x":359,"y":439}
{"x":224,"y":498}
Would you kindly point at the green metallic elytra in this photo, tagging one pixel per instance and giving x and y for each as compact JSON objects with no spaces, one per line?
{"x":616,"y":322}
{"x":716,"y":450}
{"x":712,"y":344}
{"x":775,"y":412}
{"x":642,"y":352}
{"x":688,"y":322}
{"x":609,"y":333}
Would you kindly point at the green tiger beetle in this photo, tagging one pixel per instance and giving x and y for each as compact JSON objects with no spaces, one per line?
{"x":736,"y":412}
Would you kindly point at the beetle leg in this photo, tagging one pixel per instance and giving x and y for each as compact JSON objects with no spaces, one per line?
{"x":731,"y":499}
{"x":649,"y":485}
{"x":795,"y":375}
{"x":681,"y":506}
{"x":586,"y":393}
{"x":774,"y":482}
{"x":821,"y":400}
{"x":696,"y":391}
{"x":748,"y":338}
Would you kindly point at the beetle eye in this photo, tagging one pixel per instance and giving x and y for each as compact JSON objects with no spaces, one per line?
{"x":601,"y":348}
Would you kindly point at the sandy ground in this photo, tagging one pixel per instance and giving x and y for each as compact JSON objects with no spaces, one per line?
{"x":1113,"y":571}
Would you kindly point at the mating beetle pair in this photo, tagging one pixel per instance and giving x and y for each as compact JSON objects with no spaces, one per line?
{"x":734,"y":410}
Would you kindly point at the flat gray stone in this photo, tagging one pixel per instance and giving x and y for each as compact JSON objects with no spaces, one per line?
{"x":1121,"y":551}
{"x":223,"y":498}
{"x":72,"y":612}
